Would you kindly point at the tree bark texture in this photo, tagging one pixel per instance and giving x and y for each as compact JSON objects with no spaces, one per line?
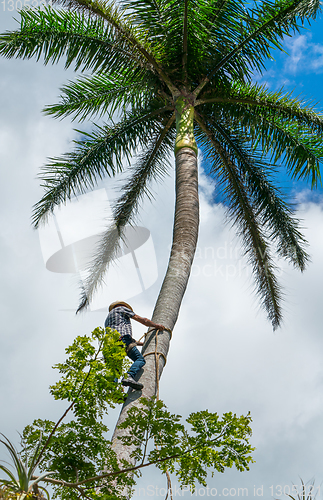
{"x":185,"y":233}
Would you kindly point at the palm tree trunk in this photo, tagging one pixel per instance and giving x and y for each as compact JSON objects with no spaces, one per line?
{"x":175,"y":282}
{"x":185,"y":233}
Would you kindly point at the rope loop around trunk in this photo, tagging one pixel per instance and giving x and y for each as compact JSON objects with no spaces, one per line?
{"x":165,"y":330}
{"x":159,"y":354}
{"x":156,"y":353}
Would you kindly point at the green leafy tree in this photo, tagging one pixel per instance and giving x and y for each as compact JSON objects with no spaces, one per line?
{"x":79,"y":454}
{"x":168,"y":75}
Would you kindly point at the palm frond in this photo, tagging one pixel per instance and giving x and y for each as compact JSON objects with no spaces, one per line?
{"x":150,"y":165}
{"x":260,"y":29}
{"x":87,"y":43}
{"x":300,"y":151}
{"x":102,"y":95}
{"x":260,"y":101}
{"x":185,"y":41}
{"x":123,"y":28}
{"x":225,"y":29}
{"x":244,"y":215}
{"x":175,"y":29}
{"x":273,"y":212}
{"x":202,"y":42}
{"x":286,"y":133}
{"x":99,"y":154}
{"x":294,"y":145}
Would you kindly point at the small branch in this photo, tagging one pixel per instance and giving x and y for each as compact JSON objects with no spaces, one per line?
{"x":68,"y":409}
{"x":123,"y":471}
{"x":107,"y":474}
{"x":82,"y":492}
{"x":76,"y":474}
{"x":146,"y":440}
{"x":169,"y":486}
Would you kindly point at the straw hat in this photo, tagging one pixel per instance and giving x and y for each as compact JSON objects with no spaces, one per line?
{"x":119,"y":303}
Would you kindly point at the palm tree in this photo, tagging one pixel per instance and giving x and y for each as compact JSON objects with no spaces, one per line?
{"x":175,"y":72}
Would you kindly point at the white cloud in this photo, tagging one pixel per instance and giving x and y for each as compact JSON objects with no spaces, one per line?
{"x":303,"y":55}
{"x":296,"y":47}
{"x":318,"y":51}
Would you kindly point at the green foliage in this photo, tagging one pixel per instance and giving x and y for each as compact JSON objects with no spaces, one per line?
{"x":85,"y":42}
{"x":80,"y":449}
{"x":79,"y":454}
{"x":4,"y":494}
{"x":212,"y":443}
{"x":97,"y":155}
{"x":99,"y":95}
{"x":21,"y":484}
{"x":76,"y":452}
{"x":89,"y":373}
{"x":306,"y":491}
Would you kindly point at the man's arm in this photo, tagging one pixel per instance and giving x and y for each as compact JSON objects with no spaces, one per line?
{"x":147,"y":322}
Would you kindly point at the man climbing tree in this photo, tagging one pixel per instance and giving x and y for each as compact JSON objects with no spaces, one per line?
{"x":118,"y":319}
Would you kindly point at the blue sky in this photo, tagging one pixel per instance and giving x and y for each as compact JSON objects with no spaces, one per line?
{"x":224,"y":355}
{"x":299,"y":70}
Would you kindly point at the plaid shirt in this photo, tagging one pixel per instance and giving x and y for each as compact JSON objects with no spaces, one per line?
{"x":119,"y":319}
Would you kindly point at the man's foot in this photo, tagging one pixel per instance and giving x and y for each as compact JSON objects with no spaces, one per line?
{"x":129,"y":381}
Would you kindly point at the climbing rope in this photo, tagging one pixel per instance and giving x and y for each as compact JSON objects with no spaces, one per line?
{"x":156,"y":353}
{"x":157,"y":357}
{"x":152,"y":329}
